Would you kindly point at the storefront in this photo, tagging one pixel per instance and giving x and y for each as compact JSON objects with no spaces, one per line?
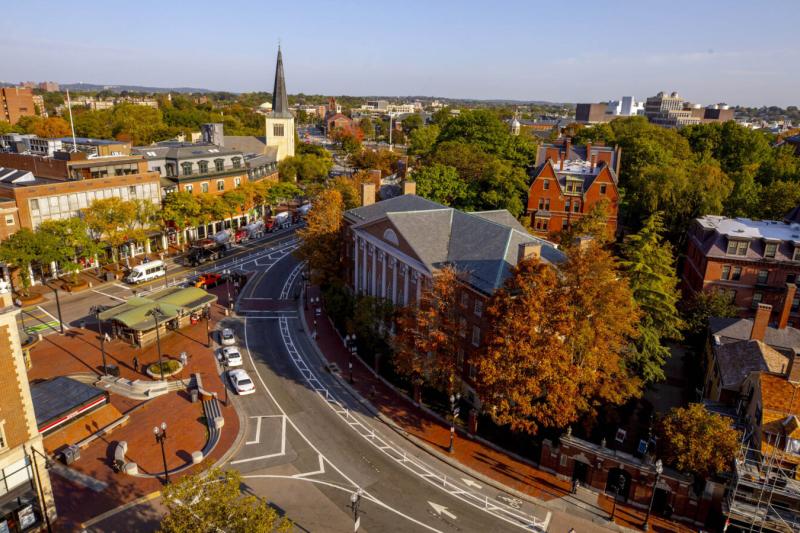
{"x":19,"y":505}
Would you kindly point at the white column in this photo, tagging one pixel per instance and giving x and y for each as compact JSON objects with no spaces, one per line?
{"x":419,"y":287}
{"x":383,"y":276}
{"x":406,"y":273}
{"x":374,"y":254}
{"x":364,"y":265}
{"x":394,"y":280}
{"x":355,"y":264}
{"x":147,"y":249}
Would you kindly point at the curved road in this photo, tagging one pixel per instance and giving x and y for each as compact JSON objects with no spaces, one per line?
{"x":310,"y":446}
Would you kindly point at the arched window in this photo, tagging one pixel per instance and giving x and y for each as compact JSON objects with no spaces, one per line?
{"x":390,"y":236}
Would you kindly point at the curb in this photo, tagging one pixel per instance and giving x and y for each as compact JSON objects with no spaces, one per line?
{"x":594,"y":518}
{"x":116,"y":510}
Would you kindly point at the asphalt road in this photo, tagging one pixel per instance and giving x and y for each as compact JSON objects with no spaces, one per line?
{"x":310,"y":445}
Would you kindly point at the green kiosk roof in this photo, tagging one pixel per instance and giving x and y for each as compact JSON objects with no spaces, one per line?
{"x":137,"y":312}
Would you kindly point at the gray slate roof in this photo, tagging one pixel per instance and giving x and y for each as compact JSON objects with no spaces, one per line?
{"x":184,"y":151}
{"x":786,"y":340}
{"x":737,"y":359}
{"x":248,"y":144}
{"x":482,"y":246}
{"x":58,"y":396}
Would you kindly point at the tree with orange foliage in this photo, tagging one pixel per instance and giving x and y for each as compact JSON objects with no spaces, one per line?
{"x":320,"y":239}
{"x":52,"y":128}
{"x":557,"y":341}
{"x":426,"y":343}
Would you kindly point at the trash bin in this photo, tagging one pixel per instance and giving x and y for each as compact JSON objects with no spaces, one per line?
{"x":195,"y":395}
{"x":112,"y":370}
{"x":70,"y":454}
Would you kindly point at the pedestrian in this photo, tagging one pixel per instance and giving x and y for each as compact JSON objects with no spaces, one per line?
{"x":574,"y":486}
{"x":572,"y":530}
{"x":135,"y":364}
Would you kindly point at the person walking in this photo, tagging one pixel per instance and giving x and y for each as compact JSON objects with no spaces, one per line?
{"x":135,"y":364}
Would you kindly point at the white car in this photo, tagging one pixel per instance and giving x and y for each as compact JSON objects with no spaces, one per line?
{"x":227,"y":337}
{"x":241,"y":382}
{"x":231,"y":356}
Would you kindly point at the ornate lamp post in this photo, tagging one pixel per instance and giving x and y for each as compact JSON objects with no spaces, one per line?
{"x":659,"y":471}
{"x":161,"y":437}
{"x":154,"y":312}
{"x":96,"y":310}
{"x":454,"y":410}
{"x":355,"y":504}
{"x":617,"y":489}
{"x":350,"y":344}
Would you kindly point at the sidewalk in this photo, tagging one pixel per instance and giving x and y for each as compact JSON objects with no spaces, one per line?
{"x":473,"y":455}
{"x":78,"y":352}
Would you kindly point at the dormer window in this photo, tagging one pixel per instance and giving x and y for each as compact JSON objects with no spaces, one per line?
{"x":737,"y":247}
{"x":770,"y":249}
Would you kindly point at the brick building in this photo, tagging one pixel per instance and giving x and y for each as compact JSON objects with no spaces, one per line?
{"x":15,"y":103}
{"x":395,"y":247}
{"x":568,"y":181}
{"x":25,"y":490}
{"x":751,"y":260}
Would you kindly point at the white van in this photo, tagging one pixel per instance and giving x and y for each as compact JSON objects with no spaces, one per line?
{"x":146,"y":272}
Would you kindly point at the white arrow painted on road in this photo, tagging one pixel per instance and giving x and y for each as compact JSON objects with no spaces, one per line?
{"x":469,"y":483}
{"x":442,"y":510}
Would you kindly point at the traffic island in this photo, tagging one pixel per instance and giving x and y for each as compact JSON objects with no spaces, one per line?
{"x":170,"y":367}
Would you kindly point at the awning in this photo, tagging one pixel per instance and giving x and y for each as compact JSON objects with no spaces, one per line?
{"x":137,"y":312}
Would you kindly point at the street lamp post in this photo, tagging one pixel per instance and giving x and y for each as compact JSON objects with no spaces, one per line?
{"x":102,"y":337}
{"x":617,"y":489}
{"x":355,"y":504}
{"x":314,"y":306}
{"x":659,"y":471}
{"x":454,"y":410}
{"x":227,"y":273}
{"x":154,"y":313}
{"x":58,"y":308}
{"x":161,"y":437}
{"x":352,"y":348}
{"x":208,"y":327}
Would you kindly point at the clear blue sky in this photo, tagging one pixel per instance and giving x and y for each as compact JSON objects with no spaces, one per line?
{"x":737,"y":51}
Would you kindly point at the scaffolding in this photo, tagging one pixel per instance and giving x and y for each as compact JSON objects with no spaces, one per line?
{"x":764,"y":492}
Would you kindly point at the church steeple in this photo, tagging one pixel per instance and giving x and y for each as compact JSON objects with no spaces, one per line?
{"x":280,"y":100}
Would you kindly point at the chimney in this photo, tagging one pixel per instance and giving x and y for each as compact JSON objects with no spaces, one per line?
{"x":375,"y":175}
{"x":588,"y":151}
{"x":793,"y":371}
{"x":788,"y":298}
{"x":760,"y":322}
{"x":367,"y":194}
{"x":560,"y":160}
{"x":409,"y":187}
{"x":529,"y":250}
{"x":567,"y":146}
{"x":594,"y":161}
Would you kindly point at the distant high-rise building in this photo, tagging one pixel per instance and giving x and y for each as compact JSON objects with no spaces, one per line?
{"x":15,"y":103}
{"x":49,"y":86}
{"x":626,"y":107}
{"x":280,"y":121}
{"x":670,"y":110}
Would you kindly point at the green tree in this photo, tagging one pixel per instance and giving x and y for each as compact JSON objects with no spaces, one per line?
{"x":698,"y":441}
{"x":700,"y":307}
{"x":213,"y":501}
{"x":778,"y":198}
{"x":5,"y":127}
{"x":367,"y":128}
{"x":594,"y":224}
{"x":440,"y":183}
{"x":70,"y":241}
{"x":649,"y":265}
{"x":112,"y":221}
{"x":412,"y":122}
{"x":28,"y":124}
{"x":180,"y":210}
{"x":95,"y":124}
{"x":422,"y":140}
{"x":22,"y":250}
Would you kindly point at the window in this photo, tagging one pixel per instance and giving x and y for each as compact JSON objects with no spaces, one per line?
{"x":202,"y":167}
{"x":237,"y":162}
{"x":737,"y":273}
{"x":462,"y":326}
{"x":737,"y":247}
{"x":795,"y":303}
{"x":464,"y":299}
{"x":476,"y":336}
{"x":576,"y":207}
{"x":204,"y":187}
{"x":277,"y":130}
{"x":603,"y":188}
{"x":188,"y":188}
{"x":547,"y":204}
{"x":220,"y":185}
{"x":219,"y":165}
{"x":9,"y":220}
{"x":564,"y":224}
{"x":35,"y":204}
{"x":187,"y":168}
{"x":478,"y":307}
{"x":473,"y":371}
{"x":790,"y":278}
{"x":541,"y":203}
{"x":546,"y":185}
{"x":758,"y":297}
{"x":460,"y":358}
{"x":237,"y":181}
{"x":763,"y":275}
{"x":770,"y":249}
{"x":726,"y":272}
{"x":567,"y":205}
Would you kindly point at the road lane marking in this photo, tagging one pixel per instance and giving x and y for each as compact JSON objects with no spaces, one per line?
{"x":315,"y":472}
{"x":271,"y":455}
{"x":469,"y":483}
{"x":441,"y":510}
{"x":313,"y":447}
{"x":258,"y":432}
{"x":121,"y":286}
{"x":43,"y":310}
{"x":109,"y":295}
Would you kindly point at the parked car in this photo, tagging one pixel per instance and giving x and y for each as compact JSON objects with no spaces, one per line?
{"x":227,"y":337}
{"x":231,"y":356}
{"x":146,"y":272}
{"x":241,"y":382}
{"x":207,"y":280}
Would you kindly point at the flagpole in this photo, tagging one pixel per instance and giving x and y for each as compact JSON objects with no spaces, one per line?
{"x":71,"y":124}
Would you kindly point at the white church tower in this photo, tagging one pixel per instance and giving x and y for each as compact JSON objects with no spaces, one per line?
{"x":280,"y":122}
